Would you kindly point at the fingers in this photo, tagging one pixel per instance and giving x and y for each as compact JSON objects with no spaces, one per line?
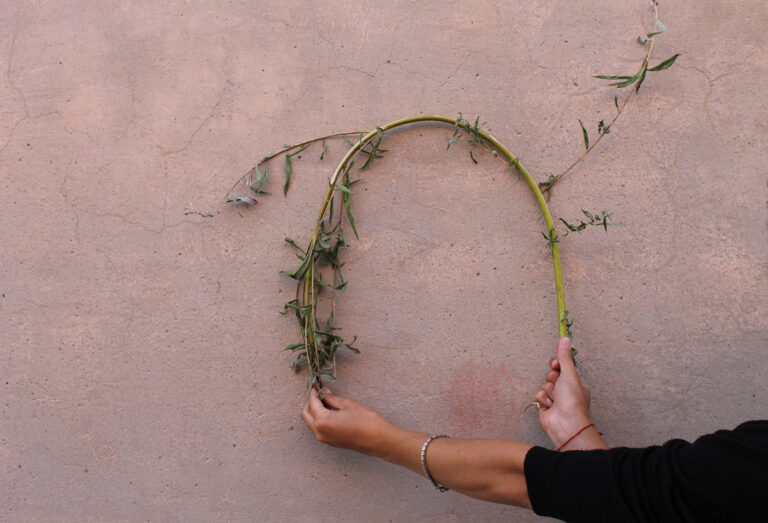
{"x":552,"y":376}
{"x":548,"y":388}
{"x":314,"y":406}
{"x":554,"y":364}
{"x":567,"y":367}
{"x":543,"y":399}
{"x":334,"y":401}
{"x":307,"y":416}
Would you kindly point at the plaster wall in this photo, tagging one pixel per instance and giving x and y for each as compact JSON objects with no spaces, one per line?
{"x":140,"y":364}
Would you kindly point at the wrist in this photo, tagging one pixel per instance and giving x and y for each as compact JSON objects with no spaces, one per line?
{"x":585,"y":438}
{"x":566,"y":427}
{"x":385,"y":441}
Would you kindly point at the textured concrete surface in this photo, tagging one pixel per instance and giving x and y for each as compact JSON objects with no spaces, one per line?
{"x":142,"y":377}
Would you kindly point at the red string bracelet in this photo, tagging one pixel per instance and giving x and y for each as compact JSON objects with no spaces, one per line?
{"x":577,"y":433}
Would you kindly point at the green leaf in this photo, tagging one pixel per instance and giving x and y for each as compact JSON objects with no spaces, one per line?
{"x":328,"y":377}
{"x":289,"y":241}
{"x":473,"y":157}
{"x":586,"y":136}
{"x":261,"y":178}
{"x":299,"y":361}
{"x":625,"y":83}
{"x":303,"y":268}
{"x":643,"y":71}
{"x":575,"y":228}
{"x":346,"y":200}
{"x":612,"y":77}
{"x":616,"y":102}
{"x":299,"y":150}
{"x":651,"y":35}
{"x":373,"y":153}
{"x":666,"y":64}
{"x":349,"y":215}
{"x":453,"y":140}
{"x":295,"y":346}
{"x":345,"y":189}
{"x":288,"y":169}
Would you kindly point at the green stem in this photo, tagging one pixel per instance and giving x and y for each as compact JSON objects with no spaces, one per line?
{"x":513,"y":161}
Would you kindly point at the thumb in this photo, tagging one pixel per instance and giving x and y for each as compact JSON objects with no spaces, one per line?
{"x":334,"y":401}
{"x":567,"y":367}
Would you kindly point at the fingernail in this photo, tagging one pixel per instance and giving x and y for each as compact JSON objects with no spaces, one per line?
{"x":565,"y":342}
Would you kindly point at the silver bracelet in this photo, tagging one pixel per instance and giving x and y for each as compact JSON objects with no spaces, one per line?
{"x":424,"y":462}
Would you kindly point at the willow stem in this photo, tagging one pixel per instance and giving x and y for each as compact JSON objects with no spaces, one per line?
{"x":513,"y":161}
{"x":288,"y":149}
{"x":551,"y":182}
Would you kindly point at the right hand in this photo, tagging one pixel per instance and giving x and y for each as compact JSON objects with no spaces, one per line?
{"x":564,"y":398}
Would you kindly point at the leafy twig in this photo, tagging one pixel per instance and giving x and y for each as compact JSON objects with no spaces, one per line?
{"x":619,"y":81}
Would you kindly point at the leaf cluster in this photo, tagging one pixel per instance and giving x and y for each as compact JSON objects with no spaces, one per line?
{"x":602,"y":219}
{"x":567,"y":323}
{"x":372,"y":150}
{"x":474,"y":136}
{"x":638,"y":78}
{"x":318,"y":349}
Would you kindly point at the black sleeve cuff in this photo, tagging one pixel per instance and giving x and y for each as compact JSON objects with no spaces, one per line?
{"x":536,"y":466}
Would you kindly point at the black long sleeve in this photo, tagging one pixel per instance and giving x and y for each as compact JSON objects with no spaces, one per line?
{"x":720,"y":477}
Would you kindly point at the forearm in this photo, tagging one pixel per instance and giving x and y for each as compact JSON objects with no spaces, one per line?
{"x":491,"y":470}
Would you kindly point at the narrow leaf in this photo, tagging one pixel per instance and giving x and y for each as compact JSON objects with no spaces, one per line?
{"x":643,"y":71}
{"x":473,"y":157}
{"x":613,"y":77}
{"x":303,"y":268}
{"x":624,"y":83}
{"x":288,"y":169}
{"x":289,"y":241}
{"x":349,"y":215}
{"x":666,"y":64}
{"x":322,"y":154}
{"x":586,"y":136}
{"x":651,"y":35}
{"x":328,"y":377}
{"x":297,"y":151}
{"x":616,"y":101}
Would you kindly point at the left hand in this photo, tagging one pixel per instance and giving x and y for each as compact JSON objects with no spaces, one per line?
{"x":351,"y":426}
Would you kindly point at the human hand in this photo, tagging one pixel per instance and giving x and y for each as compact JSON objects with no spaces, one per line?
{"x":351,"y":426}
{"x":564,"y":401}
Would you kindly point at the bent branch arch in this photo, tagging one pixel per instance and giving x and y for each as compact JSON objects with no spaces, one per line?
{"x":306,"y":284}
